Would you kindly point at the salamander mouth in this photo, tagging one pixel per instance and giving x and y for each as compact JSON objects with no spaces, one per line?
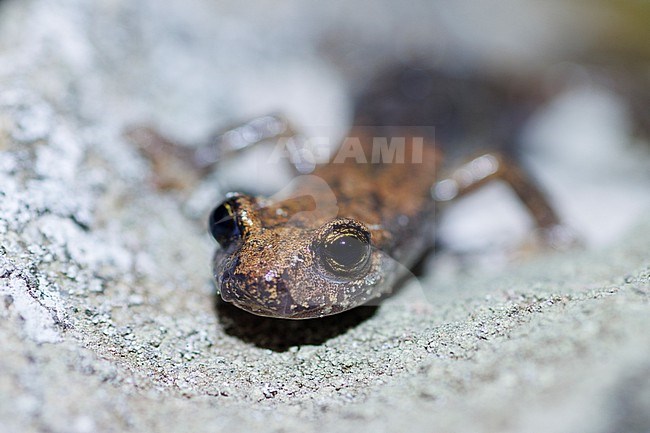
{"x":288,"y":313}
{"x":280,"y":306}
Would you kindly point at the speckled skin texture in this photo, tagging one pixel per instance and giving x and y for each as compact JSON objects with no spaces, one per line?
{"x":274,"y":269}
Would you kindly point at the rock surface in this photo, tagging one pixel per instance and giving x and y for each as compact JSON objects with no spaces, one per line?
{"x":108,"y":317}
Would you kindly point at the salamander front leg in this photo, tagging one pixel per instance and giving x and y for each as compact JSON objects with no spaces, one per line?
{"x":493,"y":166}
{"x":179,"y":166}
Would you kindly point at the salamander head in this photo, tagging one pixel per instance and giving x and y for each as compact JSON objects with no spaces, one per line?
{"x":273,"y":264}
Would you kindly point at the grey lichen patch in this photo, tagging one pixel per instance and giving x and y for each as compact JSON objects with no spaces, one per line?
{"x":29,"y":305}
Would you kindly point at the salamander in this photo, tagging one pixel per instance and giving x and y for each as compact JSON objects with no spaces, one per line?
{"x":346,"y":230}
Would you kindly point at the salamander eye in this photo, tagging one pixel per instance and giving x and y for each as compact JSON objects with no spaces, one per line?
{"x":344,"y":250}
{"x":223,"y":224}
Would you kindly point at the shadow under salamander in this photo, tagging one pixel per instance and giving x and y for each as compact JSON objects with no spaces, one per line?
{"x":281,"y":334}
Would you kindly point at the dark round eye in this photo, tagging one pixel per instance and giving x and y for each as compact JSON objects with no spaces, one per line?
{"x":223,"y":223}
{"x":345,"y":251}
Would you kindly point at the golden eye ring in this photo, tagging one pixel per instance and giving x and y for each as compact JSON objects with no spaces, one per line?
{"x":343,"y":249}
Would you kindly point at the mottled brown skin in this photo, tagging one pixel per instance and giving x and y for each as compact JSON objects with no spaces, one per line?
{"x":281,"y":257}
{"x":273,"y":268}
